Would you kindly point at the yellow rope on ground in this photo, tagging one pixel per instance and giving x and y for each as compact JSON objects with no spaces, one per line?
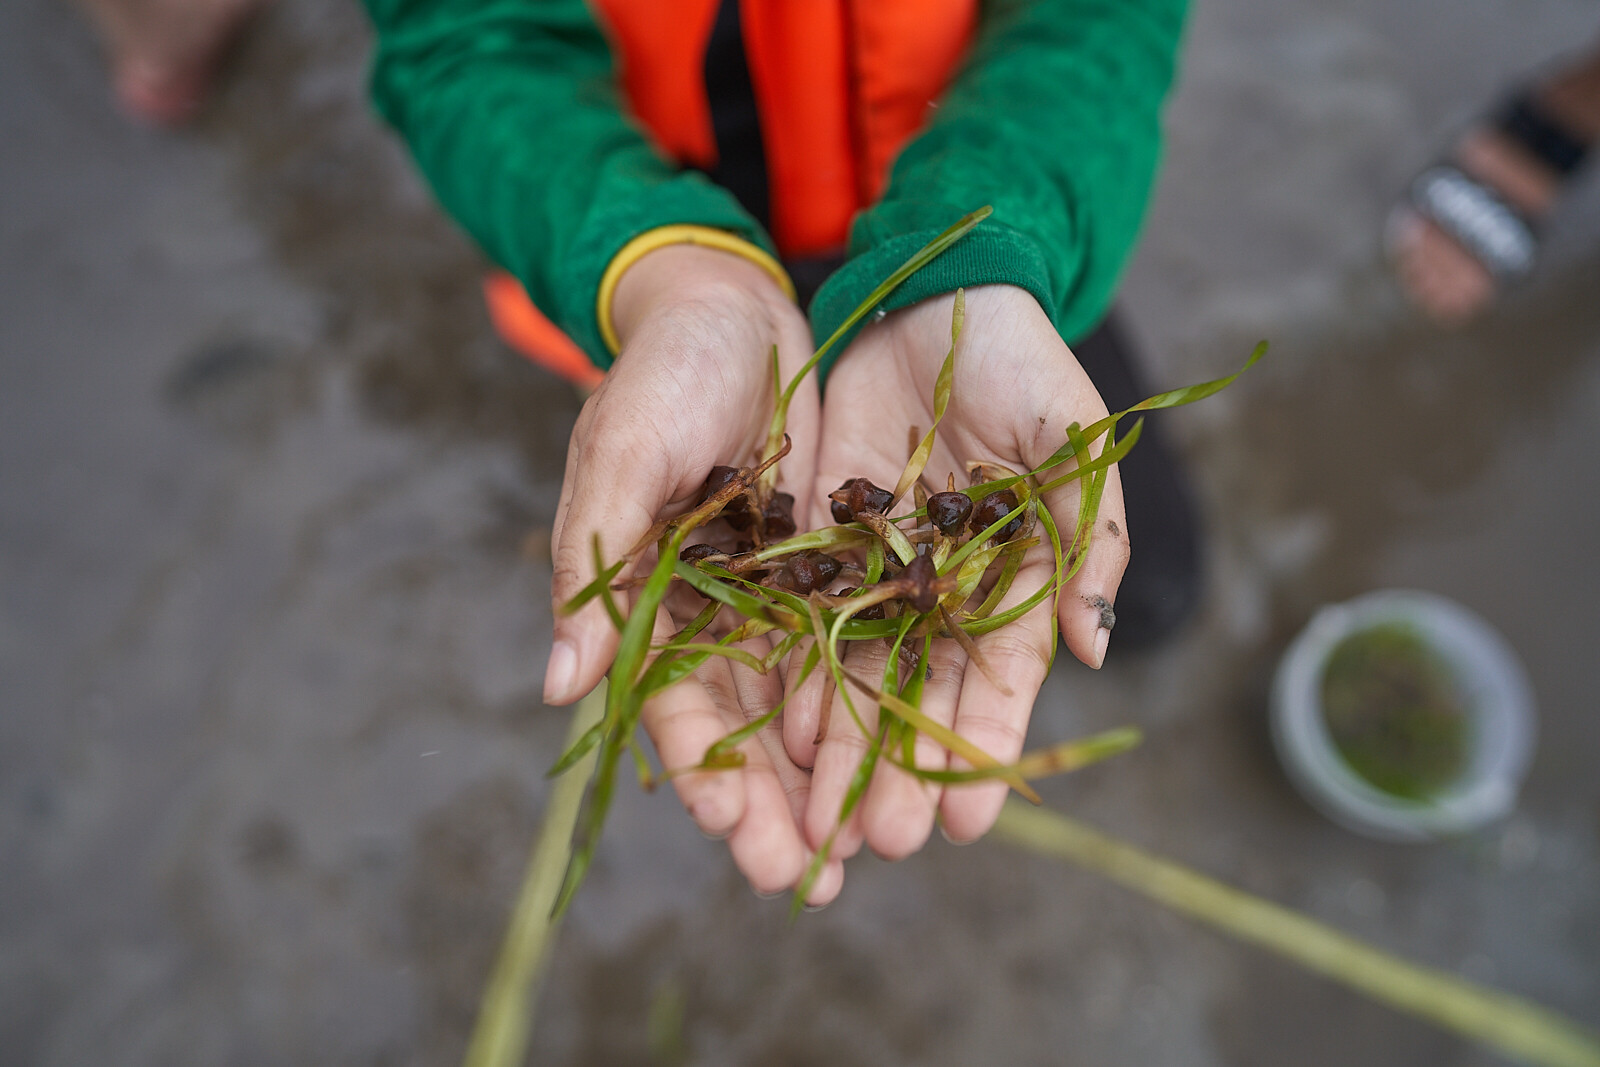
{"x":1514,"y":1026}
{"x":505,"y":1015}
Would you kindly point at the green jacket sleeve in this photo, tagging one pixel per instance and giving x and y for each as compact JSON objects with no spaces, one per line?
{"x":512,"y":111}
{"x":1054,"y":120}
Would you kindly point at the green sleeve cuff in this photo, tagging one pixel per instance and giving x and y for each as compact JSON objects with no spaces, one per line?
{"x":684,"y":199}
{"x":991,"y":254}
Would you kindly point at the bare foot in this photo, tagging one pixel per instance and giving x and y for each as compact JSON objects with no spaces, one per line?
{"x":1443,"y":275}
{"x":164,"y":53}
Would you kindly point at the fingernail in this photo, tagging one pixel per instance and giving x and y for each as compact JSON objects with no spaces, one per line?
{"x":1102,"y":638}
{"x":561,"y":673}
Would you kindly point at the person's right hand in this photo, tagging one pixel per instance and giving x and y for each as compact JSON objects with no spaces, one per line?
{"x":691,"y":389}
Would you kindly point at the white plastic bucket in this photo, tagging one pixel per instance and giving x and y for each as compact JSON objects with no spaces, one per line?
{"x":1497,"y":700}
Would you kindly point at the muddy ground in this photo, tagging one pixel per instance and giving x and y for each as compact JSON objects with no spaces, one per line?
{"x":274,"y":604}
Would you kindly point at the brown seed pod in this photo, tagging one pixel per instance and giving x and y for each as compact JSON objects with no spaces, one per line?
{"x":870,"y":613}
{"x":859,"y":495}
{"x":989,"y":511}
{"x":949,"y":512}
{"x":778,"y":517}
{"x":696,"y":553}
{"x":807,"y":571}
{"x":919,"y":576}
{"x":736,"y":511}
{"x":717,"y":480}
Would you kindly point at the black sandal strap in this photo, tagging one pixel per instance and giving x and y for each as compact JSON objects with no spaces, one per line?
{"x":1525,"y":121}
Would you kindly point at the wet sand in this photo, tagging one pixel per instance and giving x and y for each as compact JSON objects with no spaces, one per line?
{"x":274,"y":602}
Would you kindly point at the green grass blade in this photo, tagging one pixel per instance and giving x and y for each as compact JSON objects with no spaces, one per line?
{"x":1059,"y":570}
{"x":1176,"y":397}
{"x":891,"y":535}
{"x":971,"y":570}
{"x":852,"y":796}
{"x":580,"y":748}
{"x":1112,"y":454}
{"x":641,"y":765}
{"x":877,"y":556}
{"x":1060,"y":758}
{"x":830,"y":658}
{"x":925,"y":255}
{"x":747,"y":630}
{"x":634,"y":644}
{"x":769,"y":477}
{"x":714,"y":584}
{"x":941,"y":400}
{"x":979,"y":541}
{"x":825,"y":538}
{"x":694,"y":626}
{"x":780,"y":606}
{"x":737,"y":655}
{"x":678,"y":660}
{"x":1002,"y":586}
{"x":605,"y":590}
{"x":1060,"y":456}
{"x":673,"y":666}
{"x":943,"y":734}
{"x":623,"y":701}
{"x":1014,"y":612}
{"x":602,"y":582}
{"x":911,"y":692}
{"x":738,"y":737}
{"x":1190,"y":393}
{"x":592,"y":822}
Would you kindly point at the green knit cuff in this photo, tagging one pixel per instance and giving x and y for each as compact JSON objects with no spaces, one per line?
{"x":687,"y":199}
{"x":991,"y":254}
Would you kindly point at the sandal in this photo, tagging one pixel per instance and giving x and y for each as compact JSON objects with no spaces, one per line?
{"x":165,"y":55}
{"x":1475,"y":214}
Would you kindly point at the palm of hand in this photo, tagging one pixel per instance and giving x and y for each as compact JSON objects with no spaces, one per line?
{"x":1016,"y":388}
{"x":692,"y":389}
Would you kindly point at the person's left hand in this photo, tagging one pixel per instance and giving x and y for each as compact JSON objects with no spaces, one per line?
{"x":1016,"y":388}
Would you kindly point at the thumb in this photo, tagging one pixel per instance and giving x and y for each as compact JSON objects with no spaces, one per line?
{"x":615,"y":487}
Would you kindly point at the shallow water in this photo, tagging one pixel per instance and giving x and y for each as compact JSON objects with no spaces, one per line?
{"x":274,"y":603}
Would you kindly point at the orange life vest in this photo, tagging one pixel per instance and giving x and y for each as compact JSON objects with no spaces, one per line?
{"x":840,"y":86}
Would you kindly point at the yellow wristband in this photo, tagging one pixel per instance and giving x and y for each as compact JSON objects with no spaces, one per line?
{"x":660,"y":237}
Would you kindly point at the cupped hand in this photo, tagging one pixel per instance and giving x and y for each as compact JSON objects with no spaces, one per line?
{"x":692,"y":388}
{"x":1016,"y":389}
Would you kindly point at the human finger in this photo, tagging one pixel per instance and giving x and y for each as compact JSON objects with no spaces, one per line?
{"x":766,"y":844}
{"x":897,"y":814}
{"x":683,"y":721}
{"x":802,"y":714}
{"x":993,"y":718}
{"x":848,"y":730}
{"x":620,"y":477}
{"x":1087,"y":613}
